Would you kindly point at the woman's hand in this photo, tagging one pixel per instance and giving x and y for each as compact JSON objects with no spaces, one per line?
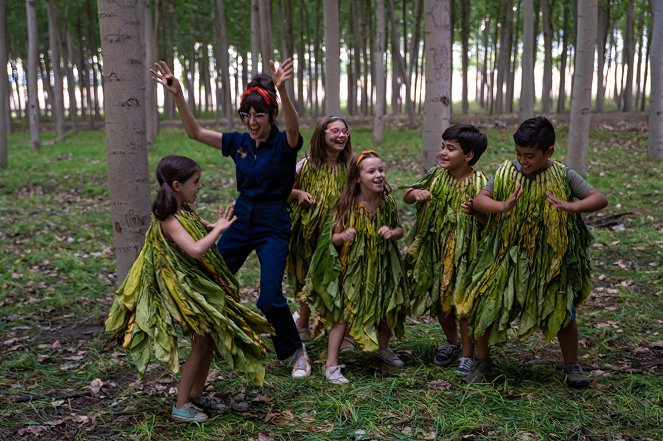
{"x":283,"y":73}
{"x":161,"y":74}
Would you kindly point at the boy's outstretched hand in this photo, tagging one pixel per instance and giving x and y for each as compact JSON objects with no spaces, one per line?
{"x":510,"y":202}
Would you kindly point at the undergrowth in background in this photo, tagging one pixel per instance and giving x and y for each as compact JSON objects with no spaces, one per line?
{"x":62,"y":378}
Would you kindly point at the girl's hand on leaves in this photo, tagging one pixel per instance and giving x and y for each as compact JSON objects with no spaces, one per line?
{"x":349,"y":235}
{"x":421,"y":195}
{"x":283,"y":73}
{"x":510,"y":202}
{"x":161,"y":74}
{"x":226,"y":218}
{"x":304,"y":199}
{"x":558,"y":203}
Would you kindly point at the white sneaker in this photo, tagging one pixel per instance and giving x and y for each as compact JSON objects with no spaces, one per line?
{"x":389,"y":357}
{"x":464,"y":366}
{"x":301,"y":364}
{"x":333,"y":374}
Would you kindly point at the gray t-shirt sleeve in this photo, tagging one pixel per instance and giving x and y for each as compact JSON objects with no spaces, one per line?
{"x":579,"y":187}
{"x":489,"y":185}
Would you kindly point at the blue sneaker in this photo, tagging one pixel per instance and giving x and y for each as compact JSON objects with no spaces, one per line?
{"x":188,"y":414}
{"x":446,"y":354}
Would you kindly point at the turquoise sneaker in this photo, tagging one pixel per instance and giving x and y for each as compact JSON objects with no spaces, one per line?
{"x":188,"y":414}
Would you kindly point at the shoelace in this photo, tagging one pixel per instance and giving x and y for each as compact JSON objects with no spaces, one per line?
{"x":300,"y":362}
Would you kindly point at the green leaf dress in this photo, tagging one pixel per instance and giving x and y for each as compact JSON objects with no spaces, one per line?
{"x":363,"y":284}
{"x":166,"y":286}
{"x":533,"y":263}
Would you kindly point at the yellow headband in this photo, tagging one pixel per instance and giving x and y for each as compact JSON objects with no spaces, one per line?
{"x":363,"y":155}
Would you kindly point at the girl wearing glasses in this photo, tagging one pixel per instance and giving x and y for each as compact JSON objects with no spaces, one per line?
{"x":356,"y":281}
{"x":265,"y":160}
{"x":319,"y":181}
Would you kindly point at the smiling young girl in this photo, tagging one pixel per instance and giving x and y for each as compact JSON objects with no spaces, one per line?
{"x":321,"y":176}
{"x":265,"y":160}
{"x":180,"y":277}
{"x":356,"y":281}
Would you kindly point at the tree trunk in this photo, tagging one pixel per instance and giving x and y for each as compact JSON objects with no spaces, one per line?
{"x":95,"y":66}
{"x":464,"y":37}
{"x":19,"y":108}
{"x":655,"y":145}
{"x":266,"y":46}
{"x":583,"y":73}
{"x":402,"y":68}
{"x":526,"y":107}
{"x":641,"y":43}
{"x":301,"y":61}
{"x":546,"y":86}
{"x":601,"y":39}
{"x":503,"y":64}
{"x":5,"y":113}
{"x":413,"y":62}
{"x":437,"y":106}
{"x":363,"y":39}
{"x":629,"y":55}
{"x":513,"y":66}
{"x":126,"y":149}
{"x":33,"y":59}
{"x":354,"y":61}
{"x":67,"y":52}
{"x":332,"y":41}
{"x":561,"y":98}
{"x":380,"y":79}
{"x":222,"y":60}
{"x":255,"y":37}
{"x":644,"y":80}
{"x":54,"y":44}
{"x":287,"y":41}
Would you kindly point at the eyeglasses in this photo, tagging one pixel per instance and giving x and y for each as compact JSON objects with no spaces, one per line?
{"x":337,"y":132}
{"x":247,"y":116}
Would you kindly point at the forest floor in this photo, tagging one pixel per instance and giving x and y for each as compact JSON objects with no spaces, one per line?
{"x":62,"y":378}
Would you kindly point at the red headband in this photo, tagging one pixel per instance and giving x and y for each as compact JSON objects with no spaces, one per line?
{"x":262,"y":92}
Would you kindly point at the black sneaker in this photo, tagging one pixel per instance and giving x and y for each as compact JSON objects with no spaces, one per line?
{"x":446,"y":354}
{"x":478,"y":372}
{"x":575,"y":377}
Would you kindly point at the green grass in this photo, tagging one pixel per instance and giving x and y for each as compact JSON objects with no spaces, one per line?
{"x":57,"y":275}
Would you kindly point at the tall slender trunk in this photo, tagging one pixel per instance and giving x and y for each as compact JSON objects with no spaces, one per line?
{"x":629,"y":55}
{"x":380,"y":80}
{"x":437,"y":107}
{"x":5,"y":113}
{"x":65,"y":38}
{"x":266,"y":46}
{"x":255,"y":37}
{"x":655,"y":144}
{"x":222,"y":61}
{"x":546,"y":86}
{"x":333,"y":57}
{"x":19,"y":107}
{"x":641,"y":43}
{"x":583,"y":73}
{"x":644,"y":80}
{"x":126,"y":150}
{"x":561,"y":98}
{"x":526,"y":102}
{"x":33,"y":60}
{"x":511,"y":80}
{"x":301,"y":62}
{"x":58,"y":94}
{"x":601,"y":39}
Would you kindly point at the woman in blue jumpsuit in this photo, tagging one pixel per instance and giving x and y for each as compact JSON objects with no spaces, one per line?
{"x":265,"y":160}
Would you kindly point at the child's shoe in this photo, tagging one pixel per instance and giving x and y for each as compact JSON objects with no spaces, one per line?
{"x":446,"y":354}
{"x":389,"y":357}
{"x":333,"y":374}
{"x":348,"y":345}
{"x":304,"y":334}
{"x":575,"y":377}
{"x":188,"y":413}
{"x":301,"y":364}
{"x":209,"y":404}
{"x":478,"y":372}
{"x":464,"y":366}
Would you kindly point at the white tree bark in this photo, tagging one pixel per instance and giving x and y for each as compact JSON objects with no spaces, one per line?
{"x":655,"y":146}
{"x":380,"y":78}
{"x":4,"y":87}
{"x":58,"y":91}
{"x":437,"y":103}
{"x":126,"y":150}
{"x":583,"y":73}
{"x":526,"y":103}
{"x":266,"y":46}
{"x":333,"y":57}
{"x":150,"y":45}
{"x":33,"y":59}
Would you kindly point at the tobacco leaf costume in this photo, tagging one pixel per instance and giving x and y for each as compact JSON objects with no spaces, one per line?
{"x":325,"y":184}
{"x":533,"y":262}
{"x":166,"y":286}
{"x":363,"y":284}
{"x":443,"y":240}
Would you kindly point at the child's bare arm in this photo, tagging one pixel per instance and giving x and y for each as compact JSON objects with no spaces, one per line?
{"x":196,"y":248}
{"x":484,"y":202}
{"x":593,"y":201}
{"x":417,"y":195}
